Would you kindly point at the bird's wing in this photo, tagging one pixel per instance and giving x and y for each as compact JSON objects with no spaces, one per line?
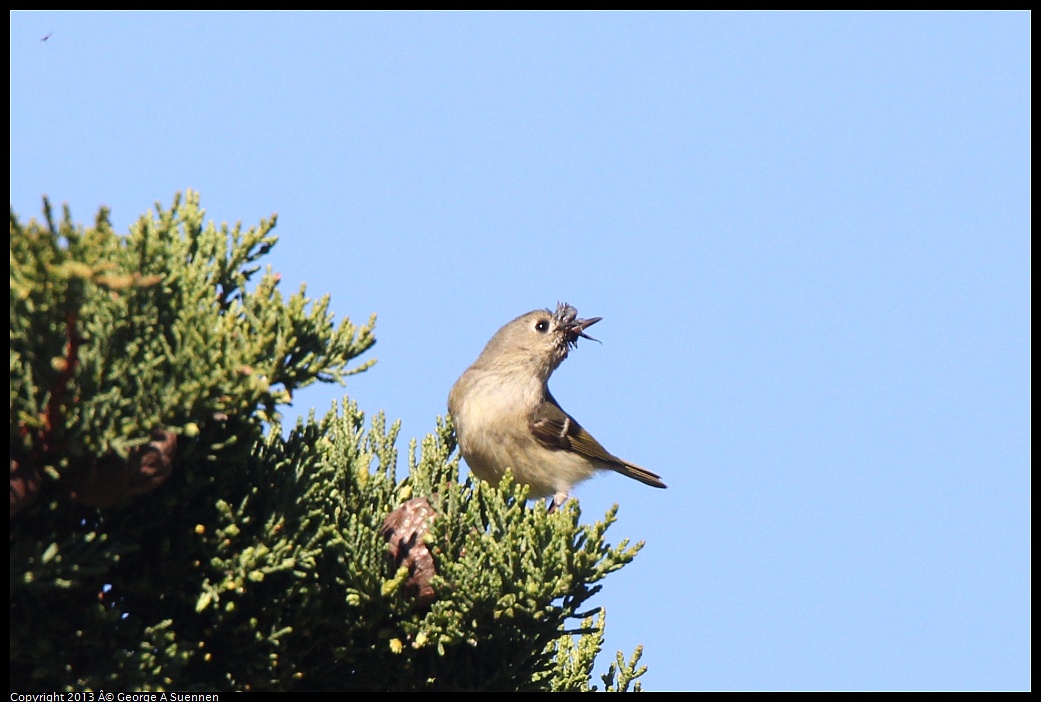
{"x":556,"y":429}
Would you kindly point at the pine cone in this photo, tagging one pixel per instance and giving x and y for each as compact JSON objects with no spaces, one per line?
{"x":404,"y":529}
{"x":111,"y":479}
{"x":25,"y":484}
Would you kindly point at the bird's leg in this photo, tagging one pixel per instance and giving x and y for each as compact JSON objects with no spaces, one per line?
{"x":558,"y":499}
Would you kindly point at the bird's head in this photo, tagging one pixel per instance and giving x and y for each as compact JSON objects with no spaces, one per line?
{"x":538,"y":340}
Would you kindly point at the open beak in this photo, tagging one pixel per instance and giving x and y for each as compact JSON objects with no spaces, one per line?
{"x":577,"y":328}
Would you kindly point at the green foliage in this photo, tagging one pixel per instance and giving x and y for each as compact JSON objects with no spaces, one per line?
{"x":574,"y":657}
{"x":112,"y":336}
{"x":259,"y":564}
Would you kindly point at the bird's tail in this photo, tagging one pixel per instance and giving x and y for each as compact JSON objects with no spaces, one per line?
{"x":637,"y":473}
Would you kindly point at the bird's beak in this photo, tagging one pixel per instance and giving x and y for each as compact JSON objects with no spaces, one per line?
{"x":577,"y":328}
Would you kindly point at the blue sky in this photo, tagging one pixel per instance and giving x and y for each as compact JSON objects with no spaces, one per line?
{"x":808,"y":236}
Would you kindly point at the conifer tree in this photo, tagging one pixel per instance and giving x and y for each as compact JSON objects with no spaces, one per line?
{"x":167,"y":534}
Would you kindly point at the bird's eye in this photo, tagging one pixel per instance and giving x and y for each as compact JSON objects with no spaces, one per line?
{"x":541,"y":326}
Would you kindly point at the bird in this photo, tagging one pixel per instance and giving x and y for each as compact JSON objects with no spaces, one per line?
{"x":506,"y":418}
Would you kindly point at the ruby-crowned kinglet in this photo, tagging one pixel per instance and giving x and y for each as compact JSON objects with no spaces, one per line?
{"x":505,"y":416}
